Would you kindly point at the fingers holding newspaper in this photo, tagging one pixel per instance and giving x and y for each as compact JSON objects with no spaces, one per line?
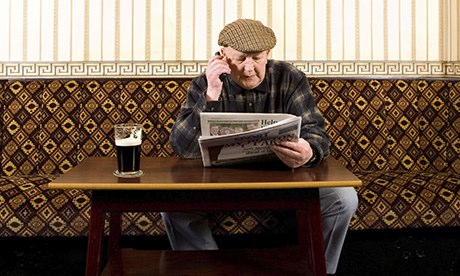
{"x":293,"y":153}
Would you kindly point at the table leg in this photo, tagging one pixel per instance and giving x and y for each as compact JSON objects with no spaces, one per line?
{"x":115,"y":232}
{"x":310,"y":234}
{"x":95,"y":236}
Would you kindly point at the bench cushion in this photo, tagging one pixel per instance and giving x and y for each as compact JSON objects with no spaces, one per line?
{"x":387,"y":200}
{"x":400,"y":136}
{"x":402,"y":199}
{"x":28,"y":209}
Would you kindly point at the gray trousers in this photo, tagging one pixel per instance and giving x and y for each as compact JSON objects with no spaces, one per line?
{"x":190,"y":230}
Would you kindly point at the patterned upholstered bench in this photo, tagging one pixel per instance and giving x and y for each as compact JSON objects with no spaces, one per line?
{"x":401,"y":137}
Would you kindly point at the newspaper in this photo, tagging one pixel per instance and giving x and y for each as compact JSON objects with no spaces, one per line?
{"x":232,"y":138}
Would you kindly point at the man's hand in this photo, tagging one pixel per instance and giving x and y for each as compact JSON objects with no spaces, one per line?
{"x":216,"y":66}
{"x":293,"y":153}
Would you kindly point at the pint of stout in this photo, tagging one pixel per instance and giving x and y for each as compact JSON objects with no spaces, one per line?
{"x":128,"y":140}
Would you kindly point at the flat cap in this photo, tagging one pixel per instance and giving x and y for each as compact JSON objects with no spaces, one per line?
{"x":247,"y":35}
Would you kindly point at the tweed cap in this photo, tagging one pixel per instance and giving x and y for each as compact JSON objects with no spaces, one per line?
{"x":247,"y":35}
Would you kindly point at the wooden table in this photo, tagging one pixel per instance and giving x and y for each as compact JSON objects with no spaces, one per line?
{"x":173,"y":184}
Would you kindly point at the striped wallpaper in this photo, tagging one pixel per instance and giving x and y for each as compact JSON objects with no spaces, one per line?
{"x":68,"y":38}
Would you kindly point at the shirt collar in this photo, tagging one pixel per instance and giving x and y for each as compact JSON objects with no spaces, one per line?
{"x":236,"y":89}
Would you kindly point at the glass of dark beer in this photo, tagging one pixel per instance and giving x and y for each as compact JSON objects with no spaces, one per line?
{"x":128,"y":140}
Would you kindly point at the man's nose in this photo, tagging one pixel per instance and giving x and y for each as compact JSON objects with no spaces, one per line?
{"x":248,"y":65}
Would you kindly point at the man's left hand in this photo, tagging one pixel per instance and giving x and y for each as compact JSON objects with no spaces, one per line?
{"x":293,"y":153}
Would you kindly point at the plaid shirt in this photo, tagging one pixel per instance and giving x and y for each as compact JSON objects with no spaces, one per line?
{"x":285,"y":89}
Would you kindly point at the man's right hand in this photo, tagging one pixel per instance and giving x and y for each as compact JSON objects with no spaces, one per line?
{"x":216,"y":66}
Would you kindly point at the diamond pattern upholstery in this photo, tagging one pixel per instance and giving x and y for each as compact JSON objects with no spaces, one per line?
{"x":400,"y":136}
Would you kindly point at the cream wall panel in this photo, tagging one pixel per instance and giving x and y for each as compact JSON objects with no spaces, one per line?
{"x":200,"y":31}
{"x":126,"y":23}
{"x":157,"y":43}
{"x":95,"y":35}
{"x":336,"y":30}
{"x":291,"y":41}
{"x":349,"y":32}
{"x":138,"y":31}
{"x":456,"y":32}
{"x":278,"y":24}
{"x":77,"y":30}
{"x":320,"y":33}
{"x":47,"y":31}
{"x":421,"y":24}
{"x":378,"y":35}
{"x":249,"y":9}
{"x":433,"y":30}
{"x":448,"y":30}
{"x":365,"y":30}
{"x":317,"y":35}
{"x":394,"y":35}
{"x":405,"y":30}
{"x":148,"y":28}
{"x":108,"y":30}
{"x":170,"y":31}
{"x":308,"y":30}
{"x":262,"y":10}
{"x":188,"y":30}
{"x":5,"y":32}
{"x":216,"y":23}
{"x":17,"y":35}
{"x":230,"y":11}
{"x":64,"y":31}
{"x":33,"y":25}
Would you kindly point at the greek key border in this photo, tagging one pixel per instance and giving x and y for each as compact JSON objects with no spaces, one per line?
{"x":191,"y":69}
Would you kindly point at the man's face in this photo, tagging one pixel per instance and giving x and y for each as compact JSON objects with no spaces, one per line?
{"x":248,"y":69}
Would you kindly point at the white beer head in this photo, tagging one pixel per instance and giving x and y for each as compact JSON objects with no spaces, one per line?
{"x":128,"y":135}
{"x":127,"y":142}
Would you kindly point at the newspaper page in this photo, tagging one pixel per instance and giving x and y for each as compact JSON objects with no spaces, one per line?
{"x":232,"y":138}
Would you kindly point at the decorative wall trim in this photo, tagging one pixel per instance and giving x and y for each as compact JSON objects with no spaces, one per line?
{"x":190,"y":69}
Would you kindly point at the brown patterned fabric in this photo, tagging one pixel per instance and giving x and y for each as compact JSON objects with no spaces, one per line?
{"x":406,"y":199}
{"x":401,"y":137}
{"x":392,"y":124}
{"x":28,"y":208}
{"x":51,"y":126}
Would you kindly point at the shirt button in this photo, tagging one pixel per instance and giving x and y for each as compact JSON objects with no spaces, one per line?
{"x":250,"y":104}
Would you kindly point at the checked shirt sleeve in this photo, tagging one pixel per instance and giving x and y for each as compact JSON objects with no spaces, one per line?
{"x":313,"y":123}
{"x":292,"y":86}
{"x":187,"y":128}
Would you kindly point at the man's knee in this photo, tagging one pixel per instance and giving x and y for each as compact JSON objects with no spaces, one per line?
{"x":350,"y":201}
{"x":334,"y":201}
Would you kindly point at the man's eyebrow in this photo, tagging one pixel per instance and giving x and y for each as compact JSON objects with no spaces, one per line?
{"x":241,"y":55}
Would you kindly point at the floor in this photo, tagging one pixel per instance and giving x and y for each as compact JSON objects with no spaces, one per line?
{"x":396,"y":252}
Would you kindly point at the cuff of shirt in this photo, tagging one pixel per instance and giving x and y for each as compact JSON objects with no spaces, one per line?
{"x":315,"y":159}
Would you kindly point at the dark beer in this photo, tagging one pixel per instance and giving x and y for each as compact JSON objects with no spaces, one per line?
{"x":128,"y":140}
{"x":128,"y":158}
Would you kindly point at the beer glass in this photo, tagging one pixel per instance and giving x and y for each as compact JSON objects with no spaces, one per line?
{"x":128,"y":140}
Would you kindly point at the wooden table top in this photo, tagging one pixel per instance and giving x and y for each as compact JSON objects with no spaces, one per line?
{"x":173,"y":173}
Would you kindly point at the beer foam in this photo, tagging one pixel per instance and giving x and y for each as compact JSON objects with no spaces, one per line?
{"x":130,"y":141}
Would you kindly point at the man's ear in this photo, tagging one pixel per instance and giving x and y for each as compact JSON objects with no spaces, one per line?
{"x":223,"y":52}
